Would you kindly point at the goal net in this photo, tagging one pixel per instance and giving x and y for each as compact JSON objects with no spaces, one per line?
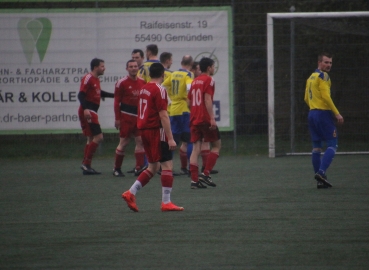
{"x":294,"y":42}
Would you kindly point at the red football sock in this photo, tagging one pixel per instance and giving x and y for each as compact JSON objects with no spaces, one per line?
{"x":194,"y":169}
{"x":145,"y":177}
{"x":85,"y":152}
{"x":119,"y":156}
{"x":183,"y":158}
{"x":140,"y":159}
{"x":166,"y":178}
{"x":90,"y":152}
{"x":210,"y":163}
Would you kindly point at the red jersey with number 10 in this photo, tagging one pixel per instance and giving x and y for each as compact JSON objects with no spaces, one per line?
{"x":152,"y":99}
{"x":200,"y":85}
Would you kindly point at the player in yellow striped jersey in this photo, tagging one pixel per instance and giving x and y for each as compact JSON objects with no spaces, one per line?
{"x":321,"y":118}
{"x":178,"y":85}
{"x":152,"y":57}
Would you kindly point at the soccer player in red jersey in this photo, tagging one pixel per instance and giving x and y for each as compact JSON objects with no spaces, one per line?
{"x":125,"y":109}
{"x":153,"y":122}
{"x":205,"y":146}
{"x":89,"y":97}
{"x":202,"y":123}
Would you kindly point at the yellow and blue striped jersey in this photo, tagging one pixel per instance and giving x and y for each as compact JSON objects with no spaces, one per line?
{"x":144,"y":71}
{"x":318,"y":92}
{"x":177,"y":85}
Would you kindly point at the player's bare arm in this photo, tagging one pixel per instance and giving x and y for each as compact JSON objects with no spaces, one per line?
{"x":209,"y":108}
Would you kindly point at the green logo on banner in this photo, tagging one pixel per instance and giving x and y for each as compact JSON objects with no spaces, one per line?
{"x":34,"y":33}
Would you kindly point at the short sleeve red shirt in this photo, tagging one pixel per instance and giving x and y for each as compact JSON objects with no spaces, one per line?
{"x":126,"y":92}
{"x":200,"y":85}
{"x":152,"y":99}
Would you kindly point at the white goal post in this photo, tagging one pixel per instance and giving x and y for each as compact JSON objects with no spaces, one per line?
{"x":270,"y":65}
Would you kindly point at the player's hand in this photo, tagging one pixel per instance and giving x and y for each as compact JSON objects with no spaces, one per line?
{"x":339,"y":119}
{"x":87,"y":115}
{"x":213,"y":124}
{"x":172,"y":144}
{"x":117,"y":124}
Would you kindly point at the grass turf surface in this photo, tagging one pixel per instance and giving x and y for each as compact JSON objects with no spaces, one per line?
{"x":263,"y":214}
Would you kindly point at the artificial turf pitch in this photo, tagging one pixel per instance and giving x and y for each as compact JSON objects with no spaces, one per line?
{"x":263,"y":214}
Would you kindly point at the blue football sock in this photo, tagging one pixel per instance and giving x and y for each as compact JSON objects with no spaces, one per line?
{"x":315,"y":158}
{"x":327,"y":159}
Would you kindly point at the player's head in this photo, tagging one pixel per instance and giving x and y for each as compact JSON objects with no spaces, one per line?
{"x":138,"y":55}
{"x":98,"y":66}
{"x":207,"y":65}
{"x":325,"y":61}
{"x":156,"y":71}
{"x":132,"y":68}
{"x":166,"y":59}
{"x":151,"y":50}
{"x":196,"y":69}
{"x":187,"y":61}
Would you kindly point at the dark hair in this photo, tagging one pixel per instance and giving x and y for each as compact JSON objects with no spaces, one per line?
{"x":165,"y":56}
{"x":153,"y":48}
{"x":156,"y":70}
{"x":95,"y":63}
{"x":320,"y":56}
{"x":194,"y":65}
{"x":187,"y":60}
{"x":138,"y":51}
{"x":205,"y":63}
{"x":130,"y":61}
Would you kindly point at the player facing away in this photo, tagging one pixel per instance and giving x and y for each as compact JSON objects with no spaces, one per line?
{"x":178,"y":85}
{"x":157,"y":138}
{"x":125,"y":110}
{"x":202,"y":124}
{"x":321,"y":118}
{"x":89,"y":97}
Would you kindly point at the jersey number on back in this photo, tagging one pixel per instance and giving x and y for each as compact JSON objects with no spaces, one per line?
{"x":196,"y":97}
{"x":143,"y":107}
{"x":175,"y":87}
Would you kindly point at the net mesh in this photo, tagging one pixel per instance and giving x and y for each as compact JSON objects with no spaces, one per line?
{"x":347,"y":39}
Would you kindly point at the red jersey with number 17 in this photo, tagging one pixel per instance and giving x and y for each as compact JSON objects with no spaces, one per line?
{"x":152,"y":99}
{"x":200,"y":85}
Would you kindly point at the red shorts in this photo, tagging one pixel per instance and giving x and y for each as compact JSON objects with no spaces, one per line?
{"x":128,"y":126}
{"x":151,"y":142}
{"x":203,"y":132}
{"x":91,"y":127}
{"x":156,"y":145}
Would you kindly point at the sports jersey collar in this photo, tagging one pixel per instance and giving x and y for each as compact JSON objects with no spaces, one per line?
{"x":152,"y":61}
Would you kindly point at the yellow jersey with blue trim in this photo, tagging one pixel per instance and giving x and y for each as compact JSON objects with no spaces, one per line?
{"x":144,"y":71}
{"x":167,"y":73}
{"x":318,"y":92}
{"x":177,"y":86}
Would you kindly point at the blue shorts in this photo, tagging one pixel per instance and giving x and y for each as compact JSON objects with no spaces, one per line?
{"x":321,"y":125}
{"x":180,"y":123}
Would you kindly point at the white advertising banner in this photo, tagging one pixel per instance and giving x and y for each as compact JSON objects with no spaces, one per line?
{"x":45,"y":54}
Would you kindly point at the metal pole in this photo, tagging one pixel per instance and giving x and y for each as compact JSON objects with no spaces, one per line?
{"x":292,"y":81}
{"x":234,"y":89}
